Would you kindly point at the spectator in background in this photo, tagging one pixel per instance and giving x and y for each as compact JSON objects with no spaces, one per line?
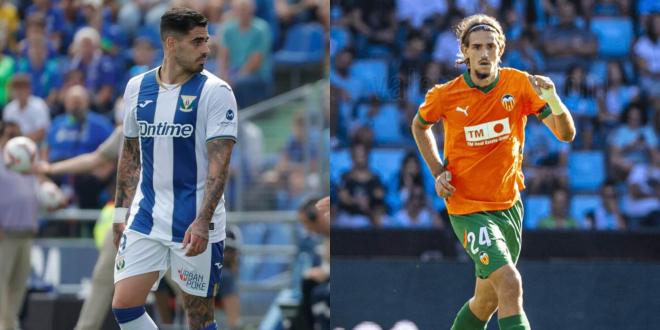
{"x":567,"y":43}
{"x":144,"y":57}
{"x":361,"y":193}
{"x":18,"y":225}
{"x":6,"y":68}
{"x":9,"y":24}
{"x":54,"y":19}
{"x":30,"y":112}
{"x":615,"y":95}
{"x":244,"y":60}
{"x":344,"y":85}
{"x":416,"y":213}
{"x":632,"y":143}
{"x":545,"y":159}
{"x":99,"y":71}
{"x":559,"y":217}
{"x":607,"y":216}
{"x":228,"y":298}
{"x":579,"y":96}
{"x":134,"y":16}
{"x":647,"y":57}
{"x":44,"y":71}
{"x":35,"y":28}
{"x":375,"y":23}
{"x":641,"y":204}
{"x":76,"y":132}
{"x":524,"y":55}
{"x":410,"y":176}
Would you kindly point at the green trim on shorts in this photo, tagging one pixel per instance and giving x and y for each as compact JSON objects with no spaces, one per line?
{"x":491,"y":239}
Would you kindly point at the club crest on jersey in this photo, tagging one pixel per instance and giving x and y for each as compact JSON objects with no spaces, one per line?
{"x":483,"y":257}
{"x":508,"y":102}
{"x":186,"y":102}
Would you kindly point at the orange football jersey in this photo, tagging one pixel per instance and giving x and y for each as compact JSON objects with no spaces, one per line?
{"x":484,"y":137}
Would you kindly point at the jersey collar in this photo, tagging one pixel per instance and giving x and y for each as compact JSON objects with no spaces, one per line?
{"x":468,"y":81}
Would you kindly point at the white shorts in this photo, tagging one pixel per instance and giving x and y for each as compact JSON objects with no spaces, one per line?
{"x":139,"y":254}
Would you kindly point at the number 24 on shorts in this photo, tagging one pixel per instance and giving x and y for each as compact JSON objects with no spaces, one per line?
{"x":470,"y":238}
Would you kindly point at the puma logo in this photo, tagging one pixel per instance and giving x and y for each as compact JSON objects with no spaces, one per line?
{"x":144,"y":103}
{"x":465,"y":111}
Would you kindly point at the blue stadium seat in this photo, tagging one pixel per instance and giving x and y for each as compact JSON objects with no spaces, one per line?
{"x":583,"y":204}
{"x":387,"y":125}
{"x":615,"y":35}
{"x":303,"y":46}
{"x":386,"y":163}
{"x":586,"y":170}
{"x":340,"y":38}
{"x":373,"y":77}
{"x":537,"y":207}
{"x":340,"y":162}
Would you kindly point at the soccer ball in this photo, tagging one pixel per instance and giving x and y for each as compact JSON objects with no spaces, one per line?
{"x":19,"y":154}
{"x":50,"y":196}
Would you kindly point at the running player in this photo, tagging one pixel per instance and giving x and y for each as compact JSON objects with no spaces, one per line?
{"x":484,"y":112}
{"x":179,"y":130}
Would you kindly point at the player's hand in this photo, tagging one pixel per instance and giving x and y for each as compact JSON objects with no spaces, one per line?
{"x":543,"y":86}
{"x":196,"y":238}
{"x":323,"y":206}
{"x":443,"y":186}
{"x":117,"y":231}
{"x":41,"y":167}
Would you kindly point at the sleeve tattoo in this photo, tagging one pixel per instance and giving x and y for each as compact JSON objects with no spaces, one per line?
{"x":219,"y":154}
{"x":128,"y":172}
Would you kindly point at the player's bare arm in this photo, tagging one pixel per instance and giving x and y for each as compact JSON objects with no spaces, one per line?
{"x":197,"y":235}
{"x":429,"y":149}
{"x":560,"y":122}
{"x":128,"y":176}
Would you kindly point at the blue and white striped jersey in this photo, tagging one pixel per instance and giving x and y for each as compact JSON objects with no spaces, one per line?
{"x":173,"y":124}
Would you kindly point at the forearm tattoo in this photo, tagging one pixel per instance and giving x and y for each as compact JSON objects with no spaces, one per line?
{"x":199,"y":311}
{"x":219,"y":154}
{"x":128,"y":172}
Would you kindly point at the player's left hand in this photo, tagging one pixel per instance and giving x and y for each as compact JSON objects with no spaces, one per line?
{"x":196,"y":238}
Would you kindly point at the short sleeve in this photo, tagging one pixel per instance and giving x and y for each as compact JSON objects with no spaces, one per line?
{"x":431,"y":109}
{"x":131,"y":127}
{"x":535,"y":105}
{"x":109,"y":149}
{"x":222,"y":114}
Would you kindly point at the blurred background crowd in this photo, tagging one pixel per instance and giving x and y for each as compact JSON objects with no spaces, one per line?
{"x":603,"y":56}
{"x":63,"y":68}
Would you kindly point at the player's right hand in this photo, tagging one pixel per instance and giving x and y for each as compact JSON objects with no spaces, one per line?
{"x":443,"y":186}
{"x":117,"y":231}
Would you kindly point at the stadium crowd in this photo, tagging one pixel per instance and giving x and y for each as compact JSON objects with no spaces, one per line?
{"x":603,"y":56}
{"x":64,"y":65}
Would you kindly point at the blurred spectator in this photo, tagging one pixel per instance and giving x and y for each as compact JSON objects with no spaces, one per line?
{"x":76,"y":132}
{"x":410,"y":176}
{"x":374,"y":23}
{"x":228,"y":298}
{"x":18,"y":225}
{"x":524,"y":55}
{"x":245,"y":54}
{"x":345,"y":86}
{"x":9,"y":23}
{"x":99,"y":71}
{"x":136,"y":16}
{"x":567,"y":43}
{"x":416,"y":213}
{"x":44,"y":71}
{"x":415,"y":12}
{"x":361,"y":193}
{"x":545,"y":159}
{"x":290,"y":12}
{"x":633,"y":142}
{"x":607,"y":216}
{"x":35,"y":28}
{"x":144,"y":58}
{"x":54,"y":17}
{"x":647,"y":57}
{"x":6,"y":69}
{"x":641,"y":203}
{"x":314,"y":309}
{"x":579,"y":96}
{"x":616,"y":95}
{"x":559,"y":217}
{"x":30,"y":112}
